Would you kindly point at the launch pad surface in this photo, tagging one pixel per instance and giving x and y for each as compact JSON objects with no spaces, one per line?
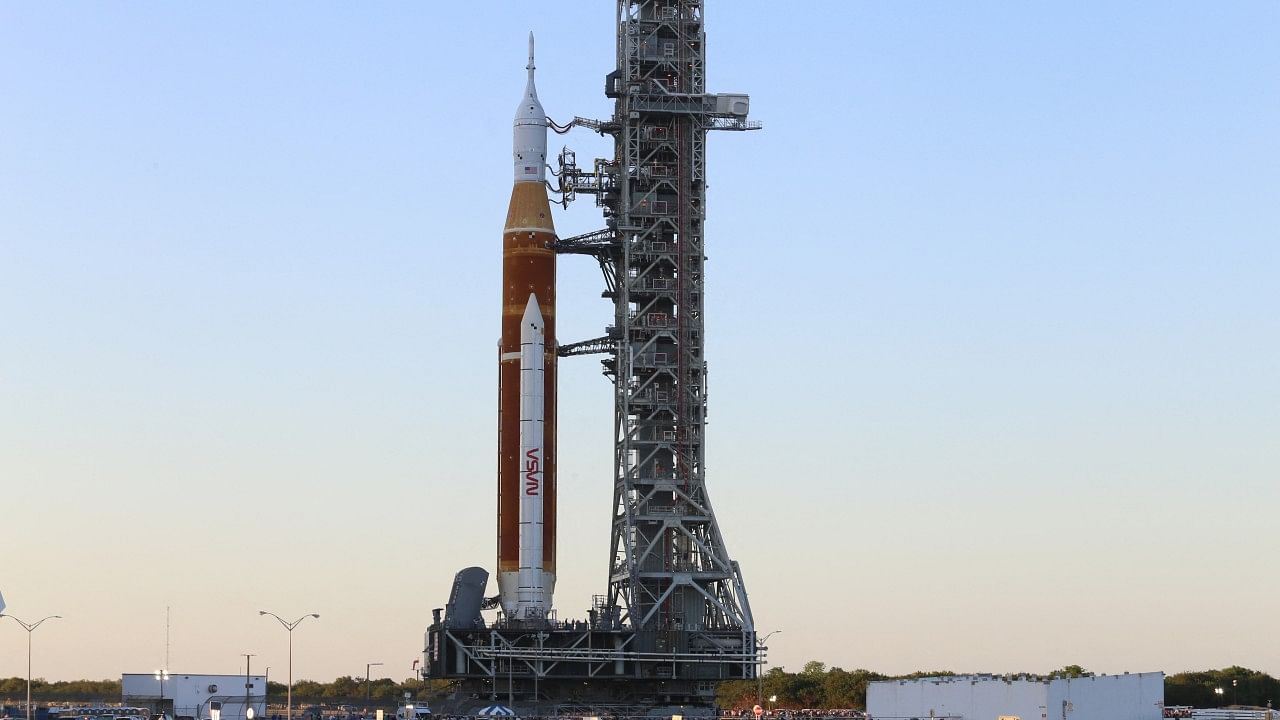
{"x":575,"y":664}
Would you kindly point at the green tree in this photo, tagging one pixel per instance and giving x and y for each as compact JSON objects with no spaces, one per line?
{"x":275,"y":688}
{"x":814,"y":668}
{"x":343,"y":688}
{"x":736,"y":694}
{"x":1240,"y":686}
{"x":843,"y":689}
{"x":308,"y":690}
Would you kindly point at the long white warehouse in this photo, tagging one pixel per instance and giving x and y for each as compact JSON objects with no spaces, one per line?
{"x":1136,"y":696}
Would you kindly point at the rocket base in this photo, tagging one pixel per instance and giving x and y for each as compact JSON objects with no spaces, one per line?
{"x":571,"y":667}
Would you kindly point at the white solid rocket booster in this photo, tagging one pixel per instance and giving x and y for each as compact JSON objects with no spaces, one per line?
{"x":532,"y":593}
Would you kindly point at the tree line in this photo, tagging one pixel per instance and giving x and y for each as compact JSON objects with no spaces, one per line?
{"x":815,"y":686}
{"x":346,"y":689}
{"x":60,"y":691}
{"x":354,"y":690}
{"x":819,"y":687}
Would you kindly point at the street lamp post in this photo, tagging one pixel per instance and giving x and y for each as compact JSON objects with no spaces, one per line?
{"x":266,"y":690}
{"x":368,"y":691}
{"x":290,"y":626}
{"x":537,"y":670}
{"x":30,"y":628}
{"x":760,"y":644}
{"x":248,"y":709}
{"x":161,"y":676}
{"x":1218,"y":691}
{"x":1234,"y":700}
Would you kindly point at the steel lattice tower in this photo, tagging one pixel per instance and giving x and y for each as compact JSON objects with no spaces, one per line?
{"x":669,"y":570}
{"x":670,"y":575}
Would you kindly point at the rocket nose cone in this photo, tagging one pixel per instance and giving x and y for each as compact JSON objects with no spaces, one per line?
{"x":532,"y":313}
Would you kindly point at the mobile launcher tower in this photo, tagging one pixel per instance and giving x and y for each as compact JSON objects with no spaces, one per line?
{"x":675,"y":620}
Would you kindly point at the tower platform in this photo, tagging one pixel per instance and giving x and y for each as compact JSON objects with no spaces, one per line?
{"x":556,"y":663}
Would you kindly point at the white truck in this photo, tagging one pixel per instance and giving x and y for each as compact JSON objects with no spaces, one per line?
{"x":413,"y":711}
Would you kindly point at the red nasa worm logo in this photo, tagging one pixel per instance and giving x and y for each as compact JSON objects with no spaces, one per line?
{"x":531,"y":469}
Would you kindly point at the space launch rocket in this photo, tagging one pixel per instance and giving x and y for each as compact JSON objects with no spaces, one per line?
{"x":527,"y":377}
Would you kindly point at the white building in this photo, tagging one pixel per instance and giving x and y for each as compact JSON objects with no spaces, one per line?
{"x":197,"y":697}
{"x":1138,"y":696}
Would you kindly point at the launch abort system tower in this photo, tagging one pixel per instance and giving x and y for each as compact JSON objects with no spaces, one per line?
{"x":676,"y":618}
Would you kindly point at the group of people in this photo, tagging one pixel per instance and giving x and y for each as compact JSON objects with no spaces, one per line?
{"x":802,"y":714}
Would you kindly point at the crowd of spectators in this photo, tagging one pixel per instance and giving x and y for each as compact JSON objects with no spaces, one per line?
{"x":802,"y":714}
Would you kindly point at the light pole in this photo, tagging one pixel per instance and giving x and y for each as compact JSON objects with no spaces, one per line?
{"x":30,"y":628}
{"x":161,"y":676}
{"x":511,"y":697}
{"x":248,"y":709}
{"x":266,"y":690}
{"x":537,"y":670}
{"x":290,"y":626}
{"x":367,"y":690}
{"x":1218,"y":691}
{"x":1234,"y":700}
{"x":760,"y":645}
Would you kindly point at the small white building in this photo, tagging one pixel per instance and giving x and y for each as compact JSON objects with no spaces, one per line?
{"x":197,"y":697}
{"x":1137,"y":696}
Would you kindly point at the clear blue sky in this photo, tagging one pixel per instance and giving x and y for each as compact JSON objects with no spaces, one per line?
{"x":993,"y":325}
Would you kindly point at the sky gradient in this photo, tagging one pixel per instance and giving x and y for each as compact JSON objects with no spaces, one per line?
{"x":992,"y":322}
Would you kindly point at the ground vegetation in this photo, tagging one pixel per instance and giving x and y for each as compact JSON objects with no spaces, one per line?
{"x":815,"y":686}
